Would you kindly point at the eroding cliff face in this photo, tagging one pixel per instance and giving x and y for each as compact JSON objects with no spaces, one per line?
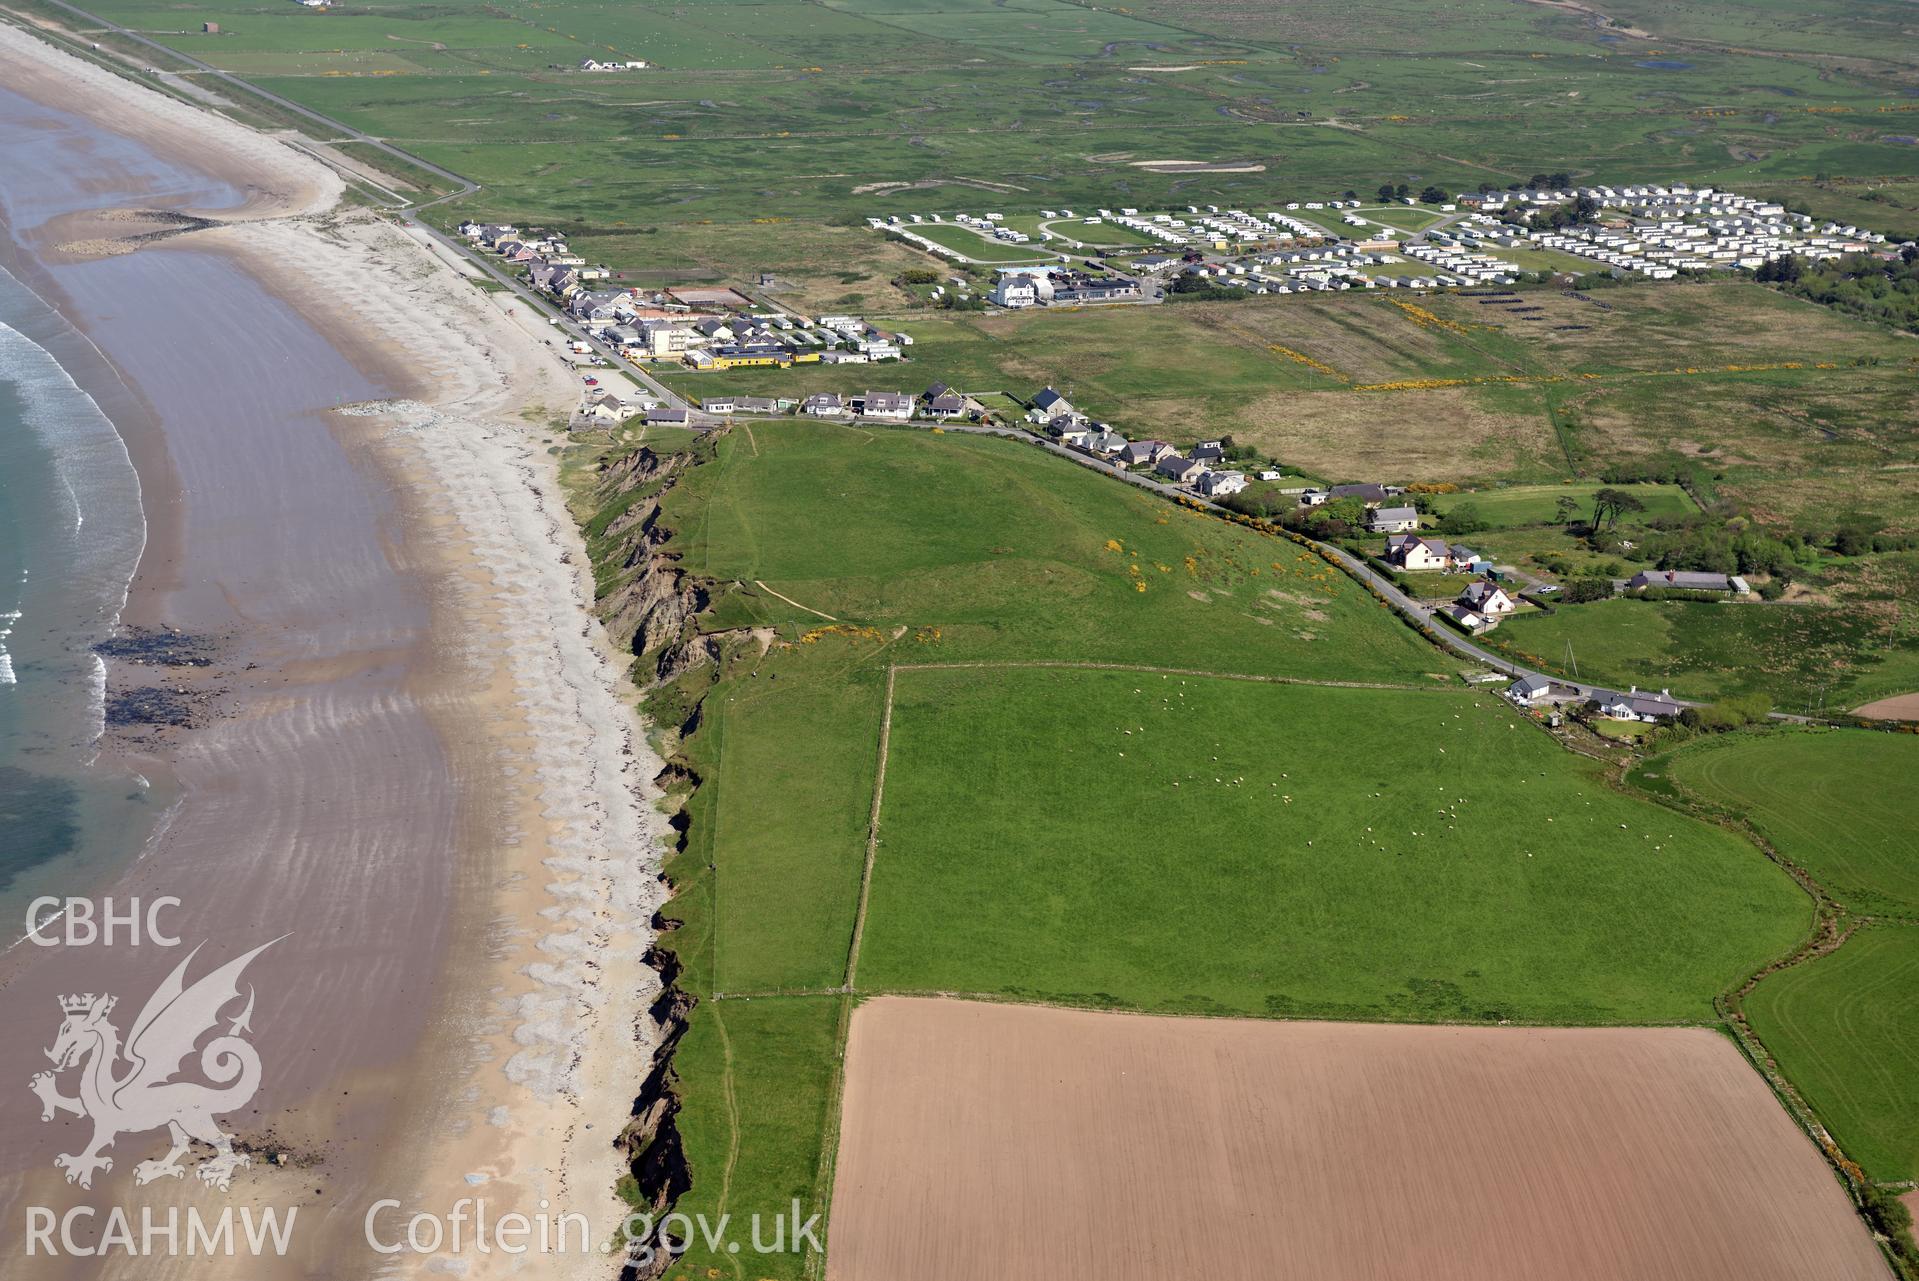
{"x":651,"y":605}
{"x":647,"y":601}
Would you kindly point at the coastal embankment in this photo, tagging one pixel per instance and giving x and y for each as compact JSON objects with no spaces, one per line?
{"x":403,"y":752}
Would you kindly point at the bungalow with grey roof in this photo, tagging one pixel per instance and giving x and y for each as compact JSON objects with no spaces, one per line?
{"x":1393,"y":520}
{"x":1635,"y":706}
{"x":823,"y":404}
{"x":948,"y":404}
{"x":1468,"y":620}
{"x":1220,"y":484}
{"x":1179,"y":469}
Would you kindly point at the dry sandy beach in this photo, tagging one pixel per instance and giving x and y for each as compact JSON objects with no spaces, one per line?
{"x":420,"y":764}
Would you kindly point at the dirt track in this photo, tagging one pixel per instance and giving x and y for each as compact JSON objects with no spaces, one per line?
{"x":1000,"y":1140}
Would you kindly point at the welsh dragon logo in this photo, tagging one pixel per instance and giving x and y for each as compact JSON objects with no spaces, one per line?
{"x":129,"y":1088}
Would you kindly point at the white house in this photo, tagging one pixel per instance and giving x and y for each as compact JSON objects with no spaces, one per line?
{"x":1416,"y":552}
{"x":1393,"y":520}
{"x":607,"y":406}
{"x":1218,"y":484}
{"x":1016,"y":290}
{"x":1635,"y":706}
{"x":1530,"y":691}
{"x":896,"y":406}
{"x":1487,"y":598}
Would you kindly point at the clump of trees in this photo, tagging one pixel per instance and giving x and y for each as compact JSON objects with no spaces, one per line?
{"x":1463,"y":519}
{"x":1727,"y":714}
{"x":1190,"y":287}
{"x":1339,"y":518}
{"x":1860,"y":284}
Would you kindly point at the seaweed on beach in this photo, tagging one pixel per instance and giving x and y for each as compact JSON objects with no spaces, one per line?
{"x":158,"y":647}
{"x":151,"y":705}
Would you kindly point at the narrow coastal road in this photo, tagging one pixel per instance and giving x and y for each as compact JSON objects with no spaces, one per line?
{"x":1353,"y":565}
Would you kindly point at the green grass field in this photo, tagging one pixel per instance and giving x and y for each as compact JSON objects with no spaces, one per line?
{"x":978,"y":247}
{"x":1844,"y":1027}
{"x":1016,"y":859}
{"x":1844,"y":1031}
{"x":1798,"y":413}
{"x":1521,"y":506}
{"x":1400,"y":218}
{"x":1798,"y":654}
{"x":1838,"y":803}
{"x":1199,"y":844}
{"x":1014,"y":553}
{"x":920,"y":548}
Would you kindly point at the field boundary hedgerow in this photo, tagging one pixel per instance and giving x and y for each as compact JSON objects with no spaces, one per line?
{"x":1834,"y":925}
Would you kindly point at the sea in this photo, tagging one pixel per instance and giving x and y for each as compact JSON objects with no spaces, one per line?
{"x":71,"y":532}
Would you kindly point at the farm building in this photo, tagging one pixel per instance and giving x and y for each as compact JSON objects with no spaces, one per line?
{"x":1688,"y":580}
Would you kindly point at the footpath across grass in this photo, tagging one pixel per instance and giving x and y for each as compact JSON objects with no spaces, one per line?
{"x":1193,"y":844}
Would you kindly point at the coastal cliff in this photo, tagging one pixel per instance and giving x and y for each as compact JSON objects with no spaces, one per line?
{"x":651,"y":606}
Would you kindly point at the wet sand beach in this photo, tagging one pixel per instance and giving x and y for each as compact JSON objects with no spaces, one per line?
{"x":411,"y":764}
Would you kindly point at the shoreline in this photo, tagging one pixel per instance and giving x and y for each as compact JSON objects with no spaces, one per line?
{"x":525,"y":1070}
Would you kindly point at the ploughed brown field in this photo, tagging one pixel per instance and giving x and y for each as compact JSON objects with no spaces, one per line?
{"x":1018,"y":1141}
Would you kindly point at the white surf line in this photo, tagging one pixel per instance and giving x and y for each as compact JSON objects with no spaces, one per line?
{"x":761,"y":584}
